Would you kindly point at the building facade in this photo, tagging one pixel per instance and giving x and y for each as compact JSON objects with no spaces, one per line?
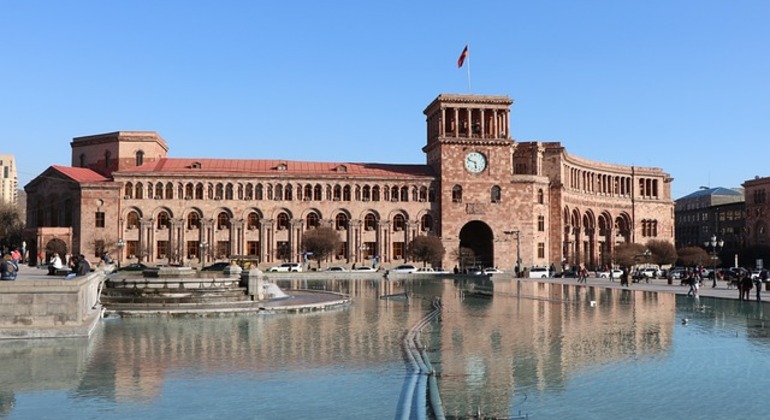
{"x":711,"y":211}
{"x":9,"y":181}
{"x":508,"y":204}
{"x":757,"y":192}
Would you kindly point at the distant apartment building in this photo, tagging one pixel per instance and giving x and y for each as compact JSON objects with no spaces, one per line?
{"x":711,"y":211}
{"x":9,"y":182}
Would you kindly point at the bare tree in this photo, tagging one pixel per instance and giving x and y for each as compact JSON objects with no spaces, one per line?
{"x":629,"y":254}
{"x":693,"y":256}
{"x":663,"y":252}
{"x":427,"y":249}
{"x":11,"y":226}
{"x":321,"y":242}
{"x":464,"y":257}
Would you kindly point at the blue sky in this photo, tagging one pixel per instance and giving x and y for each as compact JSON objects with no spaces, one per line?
{"x":680,"y":85}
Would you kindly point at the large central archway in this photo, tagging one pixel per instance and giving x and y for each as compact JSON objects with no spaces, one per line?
{"x":477,"y":236}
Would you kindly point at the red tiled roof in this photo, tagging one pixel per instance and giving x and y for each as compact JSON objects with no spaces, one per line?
{"x":80,"y":174}
{"x":271,"y":167}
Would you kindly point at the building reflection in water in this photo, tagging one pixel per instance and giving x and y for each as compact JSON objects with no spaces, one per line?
{"x":527,"y":337}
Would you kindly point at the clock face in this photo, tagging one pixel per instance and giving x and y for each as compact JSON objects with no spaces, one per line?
{"x":475,"y":162}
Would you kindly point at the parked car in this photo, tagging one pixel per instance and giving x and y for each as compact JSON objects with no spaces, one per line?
{"x":492,"y":270}
{"x":474,"y":271}
{"x":616,"y":273}
{"x":336,"y":268}
{"x":568,"y":274}
{"x":364,"y":268}
{"x":675,"y":273}
{"x":405,"y":268}
{"x":133,"y":267}
{"x":648,"y":272}
{"x":218,"y":266}
{"x":539,"y":273}
{"x":285,"y":268}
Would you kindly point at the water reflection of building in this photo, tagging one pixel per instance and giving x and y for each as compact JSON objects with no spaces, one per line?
{"x":534,"y":336}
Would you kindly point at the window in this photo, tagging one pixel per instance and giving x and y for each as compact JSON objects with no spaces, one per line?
{"x":169,"y":191}
{"x":139,"y":158}
{"x":398,"y":250}
{"x":540,"y":197}
{"x":367,"y":193}
{"x":457,"y":194}
{"x":426,"y":222}
{"x":370,"y":223}
{"x":346,"y":193}
{"x":223,"y":249}
{"x":398,"y":222}
{"x":252,"y":221}
{"x":192,"y":249}
{"x":341,"y":221}
{"x":252,"y":248}
{"x":404,"y":194}
{"x":541,"y":223}
{"x":107,"y":159}
{"x":495,"y":194}
{"x":311,"y":221}
{"x":132,"y":220}
{"x":128,"y":192}
{"x":132,"y":249}
{"x":282,"y":221}
{"x":163,"y":220}
{"x":82,"y":160}
{"x":317,"y":192}
{"x":139,"y":191}
{"x":376,"y":193}
{"x":162,"y":249}
{"x":193,"y":221}
{"x":99,"y":219}
{"x":540,"y":250}
{"x":223,"y":221}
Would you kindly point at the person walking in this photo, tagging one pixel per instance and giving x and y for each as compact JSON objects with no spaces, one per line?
{"x":758,"y":286}
{"x":693,"y":286}
{"x":746,"y":285}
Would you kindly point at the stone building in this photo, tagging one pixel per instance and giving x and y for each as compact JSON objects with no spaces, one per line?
{"x":510,"y":203}
{"x":715,"y":211}
{"x":757,"y":193}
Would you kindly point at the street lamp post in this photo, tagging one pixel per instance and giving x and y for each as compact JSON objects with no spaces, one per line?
{"x":714,"y":246}
{"x":518,"y":249}
{"x":120,"y":244}
{"x":202,"y":246}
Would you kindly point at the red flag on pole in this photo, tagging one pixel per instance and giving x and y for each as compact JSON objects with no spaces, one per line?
{"x":463,"y":54}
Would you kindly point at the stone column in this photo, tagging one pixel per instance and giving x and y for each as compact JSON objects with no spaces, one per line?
{"x":237,"y":237}
{"x":146,"y":235}
{"x":175,"y":244}
{"x":207,"y":236}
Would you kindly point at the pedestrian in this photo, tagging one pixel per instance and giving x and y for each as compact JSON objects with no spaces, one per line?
{"x":8,"y":268}
{"x":758,"y":286}
{"x":83,"y":267}
{"x":713,"y":275}
{"x":746,"y":285}
{"x":693,"y":287}
{"x":16,"y":255}
{"x":624,"y":277}
{"x":612,"y":275}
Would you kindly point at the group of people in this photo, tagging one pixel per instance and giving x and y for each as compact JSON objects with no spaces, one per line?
{"x":745,"y":283}
{"x":9,"y":266}
{"x":77,"y":265}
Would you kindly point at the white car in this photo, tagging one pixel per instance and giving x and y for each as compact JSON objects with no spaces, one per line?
{"x":492,"y":270}
{"x":539,"y":273}
{"x":286,"y":268}
{"x":364,"y":268}
{"x":406,"y":268}
{"x":616,"y":273}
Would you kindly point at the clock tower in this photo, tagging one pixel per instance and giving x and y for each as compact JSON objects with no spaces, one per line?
{"x":470,"y":149}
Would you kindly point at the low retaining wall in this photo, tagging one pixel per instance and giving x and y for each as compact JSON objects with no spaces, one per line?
{"x":43,"y":307}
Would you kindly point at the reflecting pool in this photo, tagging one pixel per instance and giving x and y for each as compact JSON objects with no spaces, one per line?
{"x":502,"y":349}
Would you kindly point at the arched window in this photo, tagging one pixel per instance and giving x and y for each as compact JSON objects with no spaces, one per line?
{"x":282,"y":221}
{"x":311,"y":221}
{"x":158,"y":190}
{"x":341,"y":221}
{"x":169,"y":191}
{"x":337,"y":193}
{"x":404,"y":194}
{"x":199,"y":191}
{"x":249,"y":192}
{"x":426,"y":222}
{"x":223,"y":221}
{"x":220,"y":192}
{"x":317,"y":192}
{"x":367,"y":193}
{"x":457,"y":194}
{"x":193,"y":220}
{"x":308,"y":194}
{"x":278,"y":192}
{"x":376,"y":193}
{"x":394,"y":193}
{"x":128,"y":191}
{"x":287,"y":193}
{"x":370,"y":222}
{"x":139,"y":158}
{"x":346,"y":193}
{"x":139,"y":191}
{"x":258,"y":192}
{"x":188,"y":191}
{"x":132,"y":220}
{"x":495,"y":194}
{"x":229,"y":191}
{"x":252,"y":221}
{"x":163,"y":220}
{"x":398,"y":222}
{"x":540,"y":196}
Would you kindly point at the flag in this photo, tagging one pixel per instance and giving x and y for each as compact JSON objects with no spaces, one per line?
{"x":463,"y":54}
